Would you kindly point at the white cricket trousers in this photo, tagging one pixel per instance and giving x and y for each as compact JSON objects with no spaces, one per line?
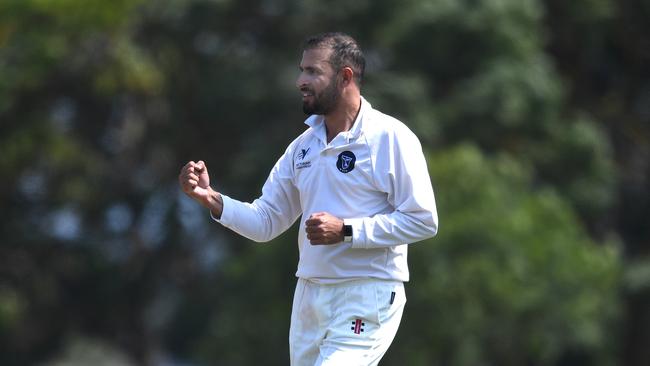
{"x":346,"y":324}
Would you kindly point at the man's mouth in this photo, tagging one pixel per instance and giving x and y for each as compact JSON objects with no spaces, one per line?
{"x":307,"y":93}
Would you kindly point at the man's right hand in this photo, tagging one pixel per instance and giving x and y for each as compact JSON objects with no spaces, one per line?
{"x":195,"y":182}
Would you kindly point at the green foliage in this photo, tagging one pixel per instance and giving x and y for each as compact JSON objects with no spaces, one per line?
{"x":511,"y":279}
{"x":534,"y":111}
{"x":255,"y":323}
{"x":40,"y":37}
{"x":12,"y":308}
{"x":502,"y":92}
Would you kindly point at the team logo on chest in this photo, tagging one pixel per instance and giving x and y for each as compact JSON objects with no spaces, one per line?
{"x":345,"y":162}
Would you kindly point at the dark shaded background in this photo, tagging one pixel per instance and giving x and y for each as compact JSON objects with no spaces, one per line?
{"x":534,"y":116}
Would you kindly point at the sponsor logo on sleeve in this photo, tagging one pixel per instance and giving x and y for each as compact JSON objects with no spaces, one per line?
{"x":303,"y":153}
{"x":301,"y":156}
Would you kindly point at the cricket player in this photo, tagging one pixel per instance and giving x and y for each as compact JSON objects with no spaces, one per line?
{"x":359,"y":179}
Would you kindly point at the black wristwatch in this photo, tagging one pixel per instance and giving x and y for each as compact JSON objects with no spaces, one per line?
{"x":347,"y":233}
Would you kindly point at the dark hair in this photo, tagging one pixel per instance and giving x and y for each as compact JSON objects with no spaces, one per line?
{"x":345,"y":52}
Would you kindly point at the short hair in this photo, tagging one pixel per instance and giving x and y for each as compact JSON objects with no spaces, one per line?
{"x":345,"y":52}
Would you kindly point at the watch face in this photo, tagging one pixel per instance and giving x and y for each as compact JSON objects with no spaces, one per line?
{"x":347,"y":230}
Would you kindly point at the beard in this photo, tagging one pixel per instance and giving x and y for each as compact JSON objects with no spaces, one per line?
{"x":325,"y":101}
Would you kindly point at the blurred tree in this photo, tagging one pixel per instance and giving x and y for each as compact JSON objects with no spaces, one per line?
{"x":487,"y":75}
{"x":102,"y":102}
{"x":601,"y":48}
{"x":512,"y":280}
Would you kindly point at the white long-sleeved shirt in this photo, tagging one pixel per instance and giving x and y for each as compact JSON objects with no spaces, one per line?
{"x":373,"y":176}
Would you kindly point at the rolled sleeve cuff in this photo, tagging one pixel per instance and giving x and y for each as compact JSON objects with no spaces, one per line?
{"x":359,"y":240}
{"x":226,"y":213}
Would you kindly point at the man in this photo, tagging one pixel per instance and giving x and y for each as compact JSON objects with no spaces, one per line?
{"x":360,"y":181}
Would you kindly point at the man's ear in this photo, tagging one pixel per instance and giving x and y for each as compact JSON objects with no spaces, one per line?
{"x":347,"y":75}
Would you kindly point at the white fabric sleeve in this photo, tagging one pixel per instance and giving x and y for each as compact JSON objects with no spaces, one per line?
{"x":273,"y":212}
{"x":401,"y":171}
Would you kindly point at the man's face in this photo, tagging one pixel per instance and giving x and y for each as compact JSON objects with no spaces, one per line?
{"x":317,"y":82}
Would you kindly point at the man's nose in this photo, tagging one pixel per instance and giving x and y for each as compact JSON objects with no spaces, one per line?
{"x":300,"y":82}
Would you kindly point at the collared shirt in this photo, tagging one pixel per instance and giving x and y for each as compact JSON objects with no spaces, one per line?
{"x":373,"y":176}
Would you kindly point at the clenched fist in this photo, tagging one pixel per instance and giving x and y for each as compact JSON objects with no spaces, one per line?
{"x":195,"y":182}
{"x":324,"y":228}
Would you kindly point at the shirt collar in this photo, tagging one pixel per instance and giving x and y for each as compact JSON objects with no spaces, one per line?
{"x":317,"y":122}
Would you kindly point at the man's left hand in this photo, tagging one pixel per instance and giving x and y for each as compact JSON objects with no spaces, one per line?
{"x":323,"y":228}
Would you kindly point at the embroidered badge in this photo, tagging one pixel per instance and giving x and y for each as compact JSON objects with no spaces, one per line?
{"x":345,"y":162}
{"x":357,"y":326}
